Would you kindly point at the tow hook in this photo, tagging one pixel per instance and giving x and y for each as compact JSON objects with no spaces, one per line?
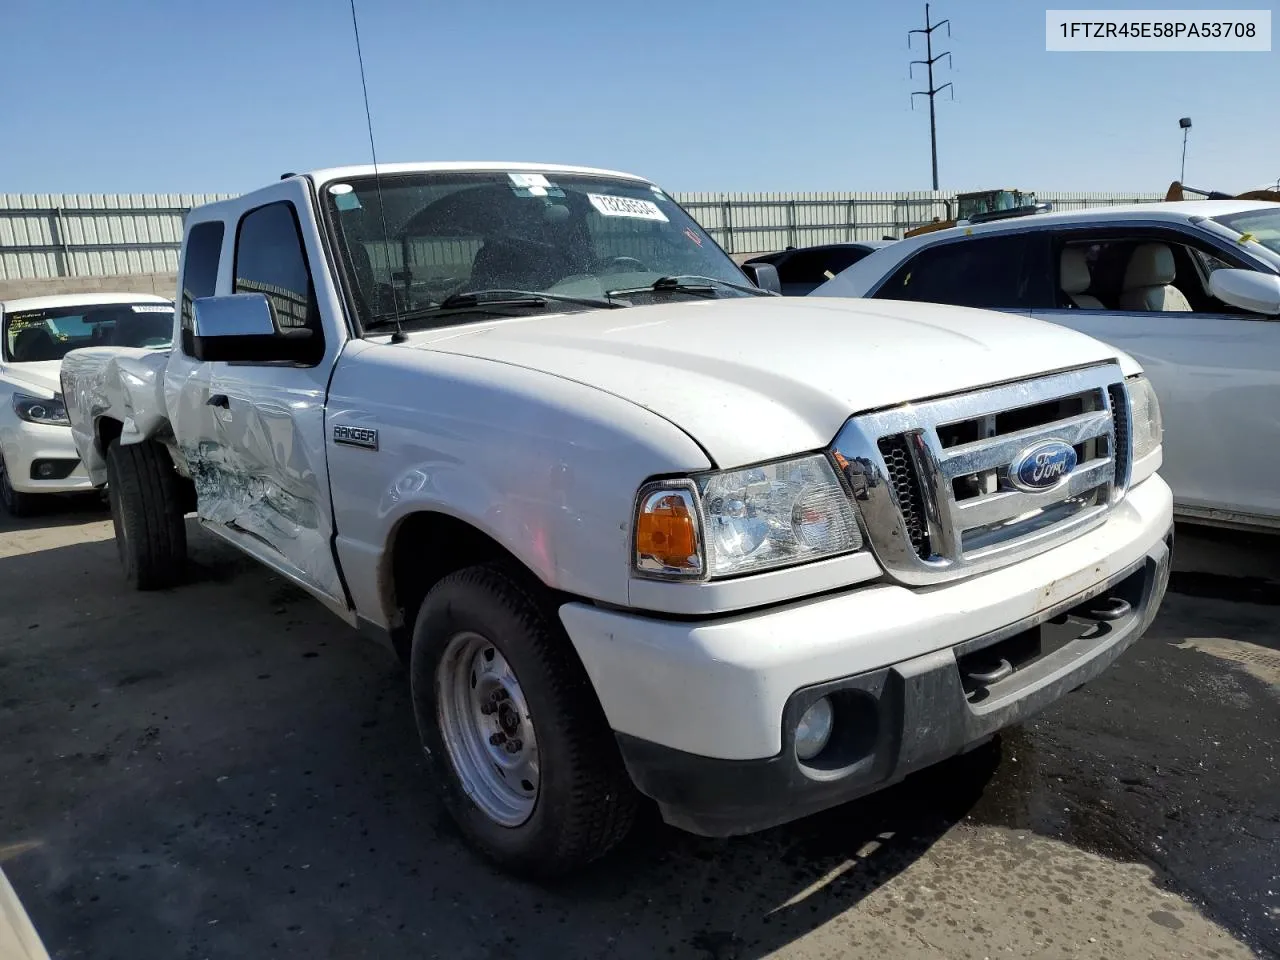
{"x":990,"y":674}
{"x":1104,"y":608}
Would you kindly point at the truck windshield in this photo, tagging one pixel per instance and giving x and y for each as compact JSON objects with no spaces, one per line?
{"x":585,"y":241}
{"x":1263,"y":225}
{"x":31,"y":336}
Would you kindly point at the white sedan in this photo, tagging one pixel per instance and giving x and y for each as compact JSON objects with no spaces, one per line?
{"x":1190,"y":289}
{"x":37,"y":455}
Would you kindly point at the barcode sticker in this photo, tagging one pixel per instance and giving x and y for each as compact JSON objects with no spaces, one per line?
{"x":611,"y":206}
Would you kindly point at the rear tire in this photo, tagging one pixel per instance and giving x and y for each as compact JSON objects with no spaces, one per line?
{"x":579,"y":802}
{"x":18,"y":504}
{"x":146,"y":511}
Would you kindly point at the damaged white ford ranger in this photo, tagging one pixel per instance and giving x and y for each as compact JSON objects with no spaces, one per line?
{"x":636,"y":525}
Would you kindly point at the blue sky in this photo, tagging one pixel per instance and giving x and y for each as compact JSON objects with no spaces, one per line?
{"x":225,"y":95}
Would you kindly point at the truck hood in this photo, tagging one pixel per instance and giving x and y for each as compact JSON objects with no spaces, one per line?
{"x":756,"y":378}
{"x":40,"y":374}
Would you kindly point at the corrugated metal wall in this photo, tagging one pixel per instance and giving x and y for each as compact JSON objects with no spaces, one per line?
{"x":95,"y":235}
{"x":92,"y":235}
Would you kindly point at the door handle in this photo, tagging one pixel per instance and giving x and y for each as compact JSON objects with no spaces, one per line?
{"x":219,"y":400}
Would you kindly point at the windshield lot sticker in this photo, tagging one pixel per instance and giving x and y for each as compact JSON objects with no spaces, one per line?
{"x":344,"y":196}
{"x":611,"y":206}
{"x":151,"y":308}
{"x":533,"y":185}
{"x":688,"y":232}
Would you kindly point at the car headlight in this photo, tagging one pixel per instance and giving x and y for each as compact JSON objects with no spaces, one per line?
{"x":36,"y":410}
{"x":1147,"y":428}
{"x":742,"y":521}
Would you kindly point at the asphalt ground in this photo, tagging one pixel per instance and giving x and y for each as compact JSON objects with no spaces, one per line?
{"x":225,"y":770}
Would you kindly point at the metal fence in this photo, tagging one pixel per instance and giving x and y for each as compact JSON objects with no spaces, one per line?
{"x":95,"y":235}
{"x":758,"y":222}
{"x":92,"y":235}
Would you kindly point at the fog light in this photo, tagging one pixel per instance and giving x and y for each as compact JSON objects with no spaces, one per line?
{"x":814,"y":729}
{"x":45,"y":470}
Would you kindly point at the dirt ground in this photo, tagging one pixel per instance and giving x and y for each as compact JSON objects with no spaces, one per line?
{"x":225,"y":770}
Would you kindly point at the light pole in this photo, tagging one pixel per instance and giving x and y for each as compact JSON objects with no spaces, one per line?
{"x":1185,"y":124}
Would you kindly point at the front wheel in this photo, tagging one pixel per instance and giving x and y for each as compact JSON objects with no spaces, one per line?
{"x":147,"y":514}
{"x":525,"y":760}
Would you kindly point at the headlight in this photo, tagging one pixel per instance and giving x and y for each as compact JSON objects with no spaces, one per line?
{"x":743,"y":521}
{"x":1148,"y":430}
{"x":35,"y":410}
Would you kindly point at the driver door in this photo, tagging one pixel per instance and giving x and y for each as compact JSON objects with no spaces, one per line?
{"x":253,"y":432}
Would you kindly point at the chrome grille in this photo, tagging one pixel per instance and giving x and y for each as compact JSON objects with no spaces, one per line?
{"x":932,"y":479}
{"x":902,"y":474}
{"x":1120,"y":415}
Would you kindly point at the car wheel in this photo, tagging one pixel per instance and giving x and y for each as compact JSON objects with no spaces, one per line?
{"x":146,"y":512}
{"x":18,"y":504}
{"x":525,"y":761}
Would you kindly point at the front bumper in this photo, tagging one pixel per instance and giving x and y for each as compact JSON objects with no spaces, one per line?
{"x":896,"y":720}
{"x":26,"y":445}
{"x":692,"y":700}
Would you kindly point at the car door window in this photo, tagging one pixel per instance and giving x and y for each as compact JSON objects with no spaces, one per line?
{"x":199,"y":273}
{"x":1107,"y":257}
{"x":270,"y":260}
{"x":990,"y":272}
{"x":818,"y":266}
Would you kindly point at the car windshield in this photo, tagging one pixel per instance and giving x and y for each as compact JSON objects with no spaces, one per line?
{"x":581,"y":241}
{"x":1263,"y":225}
{"x":31,"y":336}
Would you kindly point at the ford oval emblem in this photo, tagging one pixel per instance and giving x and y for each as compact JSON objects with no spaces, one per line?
{"x":1044,"y":465}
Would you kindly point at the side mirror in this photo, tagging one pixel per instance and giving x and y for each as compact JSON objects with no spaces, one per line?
{"x":243,"y":327}
{"x":764,"y":276}
{"x":1249,"y":290}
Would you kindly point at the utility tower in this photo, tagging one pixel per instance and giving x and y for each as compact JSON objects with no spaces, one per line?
{"x":932,"y":92}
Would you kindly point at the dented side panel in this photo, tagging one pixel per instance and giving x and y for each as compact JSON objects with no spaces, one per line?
{"x":260,"y":471}
{"x":120,"y":383}
{"x":253,"y":434}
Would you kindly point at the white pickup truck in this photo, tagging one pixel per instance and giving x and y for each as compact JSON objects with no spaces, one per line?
{"x":637,"y":525}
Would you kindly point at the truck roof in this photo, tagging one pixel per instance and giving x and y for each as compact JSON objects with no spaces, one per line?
{"x":54,"y":301}
{"x":328,"y":174}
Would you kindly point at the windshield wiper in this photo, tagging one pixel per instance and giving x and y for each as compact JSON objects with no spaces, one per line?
{"x":692,"y":283}
{"x":485,"y":299}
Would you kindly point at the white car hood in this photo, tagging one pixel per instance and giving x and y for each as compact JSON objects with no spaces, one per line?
{"x":40,"y":374}
{"x":761,"y":377}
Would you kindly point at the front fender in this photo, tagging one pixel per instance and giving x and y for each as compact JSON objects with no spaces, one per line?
{"x":547,"y":467}
{"x":121,"y":384}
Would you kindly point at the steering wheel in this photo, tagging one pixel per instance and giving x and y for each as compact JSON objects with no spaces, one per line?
{"x":619,"y":265}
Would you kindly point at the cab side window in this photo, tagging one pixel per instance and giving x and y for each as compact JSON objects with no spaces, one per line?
{"x":199,"y":273}
{"x":1137,"y":271}
{"x":989,"y":272}
{"x":270,"y":260}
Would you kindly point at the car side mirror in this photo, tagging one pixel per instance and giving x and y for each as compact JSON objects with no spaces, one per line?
{"x":243,"y":327}
{"x":1249,"y":290}
{"x":764,"y":276}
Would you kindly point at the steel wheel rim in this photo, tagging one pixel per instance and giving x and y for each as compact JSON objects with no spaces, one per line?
{"x":487,"y":729}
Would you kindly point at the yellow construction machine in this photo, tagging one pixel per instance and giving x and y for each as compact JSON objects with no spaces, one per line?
{"x":1179,"y":191}
{"x":983,"y":205}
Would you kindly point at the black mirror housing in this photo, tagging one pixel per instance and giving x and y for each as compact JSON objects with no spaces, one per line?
{"x":764,"y":276}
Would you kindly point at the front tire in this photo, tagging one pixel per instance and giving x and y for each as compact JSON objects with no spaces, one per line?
{"x":18,"y":504}
{"x":525,"y":760}
{"x":146,"y":511}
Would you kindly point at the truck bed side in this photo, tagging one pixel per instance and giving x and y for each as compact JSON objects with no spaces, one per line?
{"x":120,"y":384}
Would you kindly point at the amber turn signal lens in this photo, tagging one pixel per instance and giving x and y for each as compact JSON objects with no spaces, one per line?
{"x":667,"y":532}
